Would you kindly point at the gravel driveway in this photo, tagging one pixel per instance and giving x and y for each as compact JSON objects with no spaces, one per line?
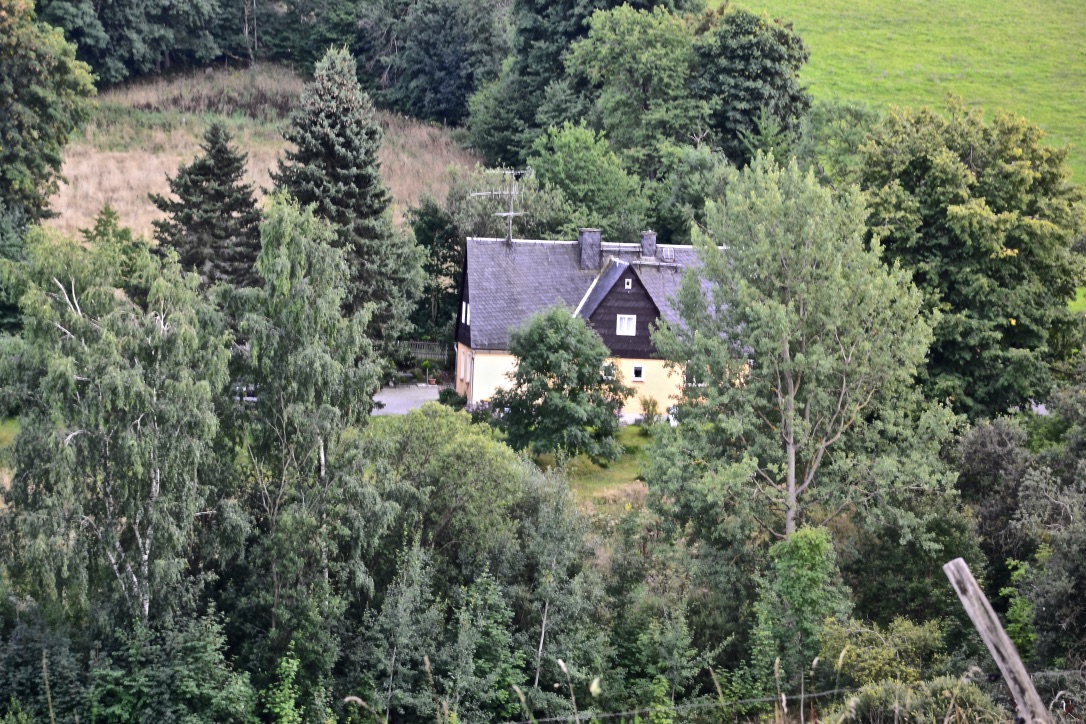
{"x":402,"y":399}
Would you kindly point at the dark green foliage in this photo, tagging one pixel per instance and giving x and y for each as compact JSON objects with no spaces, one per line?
{"x":213,"y":225}
{"x":830,"y":138}
{"x":448,"y":396}
{"x":983,"y":216}
{"x":335,"y":167}
{"x":313,"y":511}
{"x":747,"y":67}
{"x":992,"y":460}
{"x":480,"y":535}
{"x":132,"y":37}
{"x":689,"y":177}
{"x":641,"y":64}
{"x":439,"y":237}
{"x":800,"y":593}
{"x":448,"y":49}
{"x":565,"y":396}
{"x":44,"y":96}
{"x":179,"y":671}
{"x":31,"y":639}
{"x":580,"y":164}
{"x":505,"y":115}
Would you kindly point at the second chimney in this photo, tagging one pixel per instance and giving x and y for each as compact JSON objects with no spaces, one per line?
{"x":648,"y":244}
{"x":591,"y":248}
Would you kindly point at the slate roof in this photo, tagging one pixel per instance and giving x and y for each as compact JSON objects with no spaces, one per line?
{"x":512,"y":280}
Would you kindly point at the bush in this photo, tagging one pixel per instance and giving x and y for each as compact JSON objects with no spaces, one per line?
{"x":650,"y":413}
{"x":943,"y":699}
{"x":449,"y":396}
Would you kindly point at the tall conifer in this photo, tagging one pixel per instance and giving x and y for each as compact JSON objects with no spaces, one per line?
{"x":335,"y":166}
{"x":214,"y":224}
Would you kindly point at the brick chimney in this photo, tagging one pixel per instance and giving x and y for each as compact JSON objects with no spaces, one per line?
{"x":591,"y":248}
{"x":648,"y":244}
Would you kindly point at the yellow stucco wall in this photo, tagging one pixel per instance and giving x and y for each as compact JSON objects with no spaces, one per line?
{"x":480,"y":373}
{"x":485,"y":372}
{"x":659,"y":382}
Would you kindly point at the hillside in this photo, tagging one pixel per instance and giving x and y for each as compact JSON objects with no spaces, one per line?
{"x":1024,"y":56}
{"x":142,"y":132}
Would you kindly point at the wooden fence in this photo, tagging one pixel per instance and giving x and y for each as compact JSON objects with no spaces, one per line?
{"x":433,"y":351}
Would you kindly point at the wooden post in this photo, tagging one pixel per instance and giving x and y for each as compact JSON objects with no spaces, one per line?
{"x":1030,"y":706}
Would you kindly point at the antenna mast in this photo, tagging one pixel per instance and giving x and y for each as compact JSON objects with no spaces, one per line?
{"x":513,"y":177}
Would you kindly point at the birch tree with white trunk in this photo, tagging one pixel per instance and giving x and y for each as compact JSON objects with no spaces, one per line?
{"x":117,"y":424}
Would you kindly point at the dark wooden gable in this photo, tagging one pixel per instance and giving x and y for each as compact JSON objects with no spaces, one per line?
{"x":463,"y":330}
{"x":620,"y":300}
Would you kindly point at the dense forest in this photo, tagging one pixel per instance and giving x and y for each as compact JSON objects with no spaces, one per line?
{"x":202,"y":521}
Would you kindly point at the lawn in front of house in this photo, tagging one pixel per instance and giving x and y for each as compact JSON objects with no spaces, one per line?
{"x":612,"y":487}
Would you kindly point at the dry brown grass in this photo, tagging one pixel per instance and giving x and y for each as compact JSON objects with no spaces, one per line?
{"x":142,"y":133}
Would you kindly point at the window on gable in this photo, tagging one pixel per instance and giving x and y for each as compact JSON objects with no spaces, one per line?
{"x":629,"y":283}
{"x":467,"y":317}
{"x":627,"y":325}
{"x":464,"y":312}
{"x":638,"y":373}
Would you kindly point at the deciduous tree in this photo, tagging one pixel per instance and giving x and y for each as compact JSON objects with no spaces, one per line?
{"x":984,"y":217}
{"x":44,"y":96}
{"x":641,"y":62}
{"x":746,"y":67}
{"x":580,"y":164}
{"x":565,"y":396}
{"x":116,"y":435}
{"x":798,"y":337}
{"x":315,"y":517}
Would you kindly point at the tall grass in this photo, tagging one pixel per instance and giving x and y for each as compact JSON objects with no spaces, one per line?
{"x":265,"y":92}
{"x":142,"y":132}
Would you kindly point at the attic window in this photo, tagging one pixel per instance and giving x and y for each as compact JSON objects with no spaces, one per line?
{"x":629,"y":283}
{"x":639,"y":374}
{"x":667,"y":253}
{"x":627,"y":325}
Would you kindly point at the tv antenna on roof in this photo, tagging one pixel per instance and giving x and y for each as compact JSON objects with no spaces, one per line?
{"x":513,"y":176}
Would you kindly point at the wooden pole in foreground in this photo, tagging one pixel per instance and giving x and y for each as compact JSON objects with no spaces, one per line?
{"x":1030,"y":706}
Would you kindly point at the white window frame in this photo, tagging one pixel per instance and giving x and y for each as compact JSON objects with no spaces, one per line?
{"x":626,"y":325}
{"x":467,"y":319}
{"x":464,"y":312}
{"x":629,"y":283}
{"x":635,"y":376}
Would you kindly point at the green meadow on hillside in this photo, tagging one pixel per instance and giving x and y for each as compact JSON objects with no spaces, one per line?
{"x":1023,"y":56}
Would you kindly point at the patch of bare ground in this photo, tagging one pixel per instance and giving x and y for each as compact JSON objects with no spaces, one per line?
{"x":142,"y":132}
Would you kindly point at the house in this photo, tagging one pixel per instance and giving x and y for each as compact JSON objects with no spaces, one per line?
{"x":620,"y":289}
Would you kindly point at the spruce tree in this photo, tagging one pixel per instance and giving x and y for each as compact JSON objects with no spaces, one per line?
{"x":335,"y":167}
{"x":214,"y":225}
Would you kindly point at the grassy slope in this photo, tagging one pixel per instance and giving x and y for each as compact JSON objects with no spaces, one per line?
{"x":142,"y":132}
{"x":1023,"y":56}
